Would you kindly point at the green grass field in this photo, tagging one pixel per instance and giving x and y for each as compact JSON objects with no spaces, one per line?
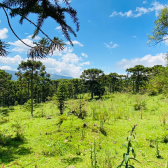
{"x":49,"y":140}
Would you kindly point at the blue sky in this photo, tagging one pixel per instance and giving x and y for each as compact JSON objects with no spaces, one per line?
{"x":112,"y":37}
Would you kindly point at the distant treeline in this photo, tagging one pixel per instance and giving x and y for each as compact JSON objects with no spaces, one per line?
{"x":34,"y":83}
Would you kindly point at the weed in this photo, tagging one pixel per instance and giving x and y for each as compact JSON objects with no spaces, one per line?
{"x":78,"y":152}
{"x":163,"y":118}
{"x":83,"y":134}
{"x":102,"y":130}
{"x":108,"y":159}
{"x":126,"y":156}
{"x":93,"y":156}
{"x":157,"y":150}
{"x":19,"y":131}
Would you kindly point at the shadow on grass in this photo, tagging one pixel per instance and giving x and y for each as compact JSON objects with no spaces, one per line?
{"x":71,"y":160}
{"x":5,"y":112}
{"x":10,"y":149}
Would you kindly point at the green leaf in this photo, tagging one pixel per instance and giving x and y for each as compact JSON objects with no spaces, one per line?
{"x":124,"y":145}
{"x":126,"y":157}
{"x":129,"y":138}
{"x":135,"y":160}
{"x":133,"y":152}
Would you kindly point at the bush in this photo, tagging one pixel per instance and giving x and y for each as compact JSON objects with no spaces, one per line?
{"x":140,"y":105}
{"x":11,"y":108}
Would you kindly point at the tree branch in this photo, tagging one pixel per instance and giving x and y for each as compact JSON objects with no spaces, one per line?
{"x":13,"y":30}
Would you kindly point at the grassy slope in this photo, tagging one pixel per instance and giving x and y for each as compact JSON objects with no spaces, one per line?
{"x":49,"y":144}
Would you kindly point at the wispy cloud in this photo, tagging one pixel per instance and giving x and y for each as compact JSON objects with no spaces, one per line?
{"x":134,"y":36}
{"x":84,"y":63}
{"x":145,"y":2}
{"x":139,"y":11}
{"x":75,"y":43}
{"x":57,"y":28}
{"x":111,"y":45}
{"x":84,"y":55}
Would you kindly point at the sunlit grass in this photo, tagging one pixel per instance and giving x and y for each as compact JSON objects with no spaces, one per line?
{"x":64,"y":141}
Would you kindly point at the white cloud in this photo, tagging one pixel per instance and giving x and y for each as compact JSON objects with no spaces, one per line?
{"x":75,"y":43}
{"x":147,"y":61}
{"x":6,"y":68}
{"x":134,"y":36}
{"x":145,"y":2}
{"x":3,"y":33}
{"x":84,"y":55}
{"x":112,"y":46}
{"x":57,"y":28}
{"x":20,"y":47}
{"x":156,"y":7}
{"x":115,"y":45}
{"x":89,"y":20}
{"x":127,"y":14}
{"x":25,"y":33}
{"x":70,"y":58}
{"x":9,"y":60}
{"x":62,"y":68}
{"x":36,"y":38}
{"x":84,"y":63}
{"x":0,"y":21}
{"x":139,"y":11}
{"x":165,"y":39}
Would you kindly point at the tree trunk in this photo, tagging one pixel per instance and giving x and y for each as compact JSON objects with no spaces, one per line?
{"x":32,"y":92}
{"x":28,"y":89}
{"x":21,"y":92}
{"x":92,"y":92}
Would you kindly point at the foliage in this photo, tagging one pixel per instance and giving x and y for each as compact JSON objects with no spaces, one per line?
{"x":43,"y":9}
{"x":159,"y":33}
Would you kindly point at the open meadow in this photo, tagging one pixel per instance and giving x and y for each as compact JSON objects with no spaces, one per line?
{"x":90,"y":133}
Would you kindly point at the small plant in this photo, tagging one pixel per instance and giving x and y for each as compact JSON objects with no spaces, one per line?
{"x":78,"y":152}
{"x":164,"y":115}
{"x":157,"y":150}
{"x":19,"y":131}
{"x":126,"y":156}
{"x":83,"y":134}
{"x":108,"y":160}
{"x":93,"y":156}
{"x":102,"y":130}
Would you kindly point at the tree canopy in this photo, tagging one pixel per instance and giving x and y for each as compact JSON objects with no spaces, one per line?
{"x":160,"y":31}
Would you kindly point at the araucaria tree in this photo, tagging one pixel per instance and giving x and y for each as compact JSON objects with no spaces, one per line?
{"x":62,"y":95}
{"x":90,"y":76}
{"x":33,"y":67}
{"x":43,"y":9}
